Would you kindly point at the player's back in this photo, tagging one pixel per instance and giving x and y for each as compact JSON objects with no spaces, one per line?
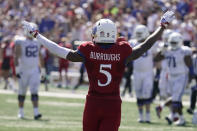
{"x":29,"y":53}
{"x":105,"y":66}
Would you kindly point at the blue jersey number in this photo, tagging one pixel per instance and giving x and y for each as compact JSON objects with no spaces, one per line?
{"x":31,"y":51}
{"x":171,"y":61}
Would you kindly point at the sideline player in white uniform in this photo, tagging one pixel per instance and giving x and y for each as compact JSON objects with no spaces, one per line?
{"x":143,"y":74}
{"x":163,"y":79}
{"x":179,"y":62}
{"x":27,"y":70}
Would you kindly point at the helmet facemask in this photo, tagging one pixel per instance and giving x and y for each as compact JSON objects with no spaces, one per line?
{"x":174,"y":45}
{"x":141,"y":33}
{"x":27,"y":33}
{"x":175,"y":40}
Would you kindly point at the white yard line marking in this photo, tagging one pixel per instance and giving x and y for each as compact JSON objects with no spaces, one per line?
{"x":77,"y":96}
{"x":51,"y":103}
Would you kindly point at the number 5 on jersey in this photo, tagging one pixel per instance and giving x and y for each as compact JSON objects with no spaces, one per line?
{"x":106,"y":73}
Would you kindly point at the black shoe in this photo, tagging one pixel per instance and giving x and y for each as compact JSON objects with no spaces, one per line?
{"x":168,"y":120}
{"x":59,"y":86}
{"x":190,"y":111}
{"x":37,"y":116}
{"x":148,"y":122}
{"x":140,"y":121}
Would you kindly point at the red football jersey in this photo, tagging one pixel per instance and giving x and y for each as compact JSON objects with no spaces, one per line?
{"x":64,"y":62}
{"x":105,"y":67}
{"x":8,"y":50}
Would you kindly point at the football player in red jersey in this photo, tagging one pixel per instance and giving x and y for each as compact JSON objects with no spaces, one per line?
{"x":7,"y":55}
{"x":105,"y":58}
{"x":63,"y":65}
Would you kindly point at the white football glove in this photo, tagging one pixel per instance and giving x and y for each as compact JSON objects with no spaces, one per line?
{"x":167,"y":18}
{"x":30,"y":28}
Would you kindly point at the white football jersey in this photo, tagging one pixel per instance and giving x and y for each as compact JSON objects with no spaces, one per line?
{"x":29,"y":53}
{"x":164,"y":62}
{"x":145,"y":62}
{"x":175,"y":59}
{"x":194,"y":61}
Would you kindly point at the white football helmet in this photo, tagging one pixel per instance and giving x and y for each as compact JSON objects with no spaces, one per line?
{"x":27,"y":33}
{"x":166,"y":35}
{"x":104,"y":31}
{"x":140,"y":32}
{"x":175,"y":40}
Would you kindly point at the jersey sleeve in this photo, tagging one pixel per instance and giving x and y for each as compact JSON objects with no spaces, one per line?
{"x":127,"y":49}
{"x":82,"y":50}
{"x":38,"y":43}
{"x":18,"y":40}
{"x":187,"y":51}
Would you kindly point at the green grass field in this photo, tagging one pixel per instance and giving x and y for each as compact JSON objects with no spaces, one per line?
{"x":65,"y":114}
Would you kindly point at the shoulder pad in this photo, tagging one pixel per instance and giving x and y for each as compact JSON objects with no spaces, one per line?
{"x":17,"y":37}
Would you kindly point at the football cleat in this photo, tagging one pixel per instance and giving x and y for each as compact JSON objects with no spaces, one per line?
{"x":180,"y":122}
{"x":140,"y":121}
{"x":190,"y":111}
{"x":37,"y":117}
{"x":148,"y":122}
{"x":21,"y":115}
{"x":168,"y":119}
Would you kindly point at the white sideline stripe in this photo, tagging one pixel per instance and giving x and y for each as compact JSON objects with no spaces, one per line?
{"x":65,"y":125}
{"x":77,"y":96}
{"x":51,"y":103}
{"x":51,"y":94}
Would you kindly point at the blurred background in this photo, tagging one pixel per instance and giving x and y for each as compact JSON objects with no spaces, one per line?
{"x":71,"y":21}
{"x":74,"y":18}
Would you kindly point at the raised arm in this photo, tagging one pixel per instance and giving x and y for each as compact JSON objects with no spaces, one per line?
{"x":58,"y":50}
{"x":52,"y":46}
{"x":148,"y":43}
